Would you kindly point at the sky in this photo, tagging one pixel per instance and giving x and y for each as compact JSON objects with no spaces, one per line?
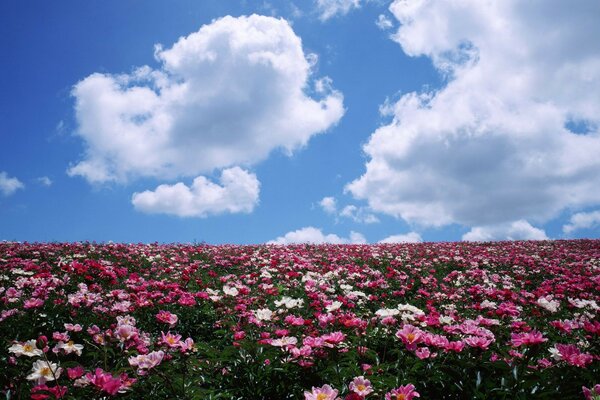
{"x":340,"y":121}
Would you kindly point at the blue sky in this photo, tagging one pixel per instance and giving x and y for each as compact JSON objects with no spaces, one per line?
{"x":346,"y":121}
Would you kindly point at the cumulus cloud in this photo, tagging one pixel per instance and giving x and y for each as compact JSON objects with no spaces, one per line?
{"x":44,"y":181}
{"x":226,"y":95}
{"x":410,"y":237}
{"x":357,"y":214}
{"x":328,"y":204}
{"x":582,"y":220}
{"x":383,"y":22}
{"x":314,"y":235}
{"x":237,"y":193}
{"x":493,"y":145}
{"x":9,"y":185}
{"x":517,"y":230}
{"x":330,"y":8}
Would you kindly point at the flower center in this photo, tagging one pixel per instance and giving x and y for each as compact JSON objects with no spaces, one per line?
{"x":401,"y":396}
{"x":27,"y":348}
{"x":322,"y":396}
{"x":410,"y":337}
{"x":45,"y":371}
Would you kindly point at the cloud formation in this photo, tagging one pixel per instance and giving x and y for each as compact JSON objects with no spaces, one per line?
{"x":237,"y":193}
{"x":494,"y":145}
{"x":410,"y":237}
{"x":582,"y":220}
{"x":226,"y":95}
{"x":314,"y":235}
{"x":517,"y":230}
{"x":9,"y":185}
{"x":331,"y":8}
{"x":357,"y":214}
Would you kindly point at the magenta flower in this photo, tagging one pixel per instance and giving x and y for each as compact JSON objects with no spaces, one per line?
{"x":591,"y":394}
{"x":527,"y":339}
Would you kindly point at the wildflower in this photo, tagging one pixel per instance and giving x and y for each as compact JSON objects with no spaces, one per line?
{"x":325,"y":392}
{"x":43,"y":371}
{"x":69,"y":347}
{"x":284,"y":341}
{"x":105,"y":381}
{"x":145,"y":362}
{"x":41,"y":392}
{"x":170,"y":340}
{"x":167,"y":318}
{"x":527,"y":339}
{"x":405,"y":392}
{"x":591,"y":394}
{"x":361,"y":386}
{"x":73,"y":328}
{"x":230,"y":290}
{"x":29,"y":349}
{"x":410,"y":336}
{"x":263,"y":314}
{"x":74,"y":373}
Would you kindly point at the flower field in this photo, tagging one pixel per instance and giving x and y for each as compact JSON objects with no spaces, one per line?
{"x":504,"y":320}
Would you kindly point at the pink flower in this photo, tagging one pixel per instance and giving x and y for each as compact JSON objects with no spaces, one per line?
{"x":40,"y":392}
{"x":591,"y":394}
{"x":74,"y":373}
{"x":410,"y":336}
{"x":33,"y":303}
{"x":104,"y":381}
{"x":167,"y":318}
{"x":478,"y":341}
{"x":406,"y":392}
{"x":422,"y":353}
{"x":325,"y":392}
{"x":572,"y":355}
{"x":170,"y":340}
{"x":361,"y":386}
{"x":333,"y":338}
{"x":527,"y":339}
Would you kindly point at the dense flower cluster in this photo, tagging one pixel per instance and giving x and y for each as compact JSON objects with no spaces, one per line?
{"x":437,"y":321}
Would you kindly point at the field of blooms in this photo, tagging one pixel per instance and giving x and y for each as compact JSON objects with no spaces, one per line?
{"x":505,"y":320}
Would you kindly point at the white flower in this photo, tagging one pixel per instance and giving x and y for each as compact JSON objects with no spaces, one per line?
{"x":289,"y":302}
{"x":230,"y":290}
{"x":43,"y":371}
{"x":548,"y":304}
{"x":488,"y":304}
{"x":284,"y":341}
{"x":28,"y":349}
{"x":69,"y":347}
{"x":334,"y":306}
{"x":263,"y":314}
{"x":387,"y":312}
{"x":445,"y":320}
{"x":554,"y":353}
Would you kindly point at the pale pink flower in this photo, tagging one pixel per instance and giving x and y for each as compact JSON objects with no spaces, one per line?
{"x":361,"y":386}
{"x":167,"y":318}
{"x":170,"y":340}
{"x":527,"y":339}
{"x":325,"y":392}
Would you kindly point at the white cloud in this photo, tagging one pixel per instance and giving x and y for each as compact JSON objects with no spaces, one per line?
{"x":226,"y":95}
{"x":517,"y":230}
{"x":330,"y":8}
{"x":383,"y":22}
{"x":491,"y":146}
{"x":328,"y":204}
{"x":410,"y":237}
{"x":358,"y":214}
{"x":237,"y":193}
{"x":582,"y":220}
{"x":9,"y":185}
{"x":313,"y":235}
{"x":44,"y":181}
